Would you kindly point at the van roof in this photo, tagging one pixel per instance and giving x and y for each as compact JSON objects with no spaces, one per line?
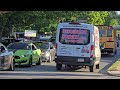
{"x":67,"y":24}
{"x":75,"y":22}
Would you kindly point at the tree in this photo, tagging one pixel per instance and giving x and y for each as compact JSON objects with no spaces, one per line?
{"x":112,"y":18}
{"x":113,"y":22}
{"x":14,"y":21}
{"x":97,"y":17}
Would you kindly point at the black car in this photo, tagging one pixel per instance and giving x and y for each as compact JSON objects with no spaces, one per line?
{"x":7,"y":41}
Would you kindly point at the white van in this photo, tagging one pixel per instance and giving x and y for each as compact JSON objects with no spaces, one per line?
{"x":77,"y":44}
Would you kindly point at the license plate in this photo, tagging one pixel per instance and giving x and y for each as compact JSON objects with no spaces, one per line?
{"x":80,"y":60}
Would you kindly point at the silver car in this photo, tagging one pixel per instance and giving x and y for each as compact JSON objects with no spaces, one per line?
{"x":48,"y":51}
{"x":6,"y":59}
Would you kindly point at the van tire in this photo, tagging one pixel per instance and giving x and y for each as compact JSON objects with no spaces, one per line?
{"x":97,"y":66}
{"x":58,"y":66}
{"x":91,"y":68}
{"x":116,"y":52}
{"x":117,"y":44}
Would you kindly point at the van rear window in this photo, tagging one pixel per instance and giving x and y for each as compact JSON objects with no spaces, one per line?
{"x":74,"y":36}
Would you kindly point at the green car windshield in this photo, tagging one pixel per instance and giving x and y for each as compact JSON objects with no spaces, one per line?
{"x":21,"y":46}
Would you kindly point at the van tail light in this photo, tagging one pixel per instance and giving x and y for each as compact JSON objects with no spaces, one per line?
{"x":92,"y":51}
{"x":56,"y":45}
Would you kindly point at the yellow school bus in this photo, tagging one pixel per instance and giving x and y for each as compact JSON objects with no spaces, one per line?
{"x":108,"y":39}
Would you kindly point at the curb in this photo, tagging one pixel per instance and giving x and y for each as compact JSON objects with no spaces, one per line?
{"x":113,"y":73}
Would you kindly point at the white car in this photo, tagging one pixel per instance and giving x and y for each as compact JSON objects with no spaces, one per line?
{"x":6,"y":59}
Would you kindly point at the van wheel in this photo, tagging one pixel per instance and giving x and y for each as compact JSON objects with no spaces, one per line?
{"x":116,"y":52}
{"x":91,"y":68}
{"x":97,"y":66}
{"x":117,"y":45}
{"x":58,"y":66}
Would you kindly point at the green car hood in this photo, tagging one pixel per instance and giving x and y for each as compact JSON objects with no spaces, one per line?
{"x":22,"y":52}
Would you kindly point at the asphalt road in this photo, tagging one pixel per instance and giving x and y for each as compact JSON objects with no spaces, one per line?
{"x":48,"y":71}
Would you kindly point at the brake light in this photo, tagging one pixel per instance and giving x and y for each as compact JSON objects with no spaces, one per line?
{"x":92,"y":51}
{"x":92,"y":47}
{"x":75,"y":23}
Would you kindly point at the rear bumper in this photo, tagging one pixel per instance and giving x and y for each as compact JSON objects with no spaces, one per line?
{"x":108,"y":50}
{"x":68,"y":60}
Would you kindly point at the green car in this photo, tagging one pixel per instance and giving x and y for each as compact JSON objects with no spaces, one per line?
{"x":25,"y":53}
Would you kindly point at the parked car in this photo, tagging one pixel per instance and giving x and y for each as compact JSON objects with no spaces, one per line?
{"x":6,"y":59}
{"x":48,"y":51}
{"x":7,"y":41}
{"x":25,"y":53}
{"x":53,"y":40}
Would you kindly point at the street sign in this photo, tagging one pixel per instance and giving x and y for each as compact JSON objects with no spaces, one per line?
{"x":30,"y":33}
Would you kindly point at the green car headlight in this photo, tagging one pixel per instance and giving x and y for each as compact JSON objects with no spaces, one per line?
{"x":24,"y":55}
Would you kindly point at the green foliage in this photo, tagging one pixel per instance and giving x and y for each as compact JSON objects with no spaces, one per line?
{"x":48,"y":20}
{"x":97,"y":17}
{"x":113,"y":22}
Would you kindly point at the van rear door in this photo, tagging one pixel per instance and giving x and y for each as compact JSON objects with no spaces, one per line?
{"x":82,"y":45}
{"x":63,"y":44}
{"x":74,"y":42}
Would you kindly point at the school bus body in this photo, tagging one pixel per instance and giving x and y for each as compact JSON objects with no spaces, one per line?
{"x":108,"y":39}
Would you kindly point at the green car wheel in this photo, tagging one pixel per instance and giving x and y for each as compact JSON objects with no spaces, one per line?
{"x":39,"y":62}
{"x":30,"y":62}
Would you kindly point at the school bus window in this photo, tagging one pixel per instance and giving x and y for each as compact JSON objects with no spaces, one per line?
{"x":109,"y":33}
{"x":102,"y":33}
